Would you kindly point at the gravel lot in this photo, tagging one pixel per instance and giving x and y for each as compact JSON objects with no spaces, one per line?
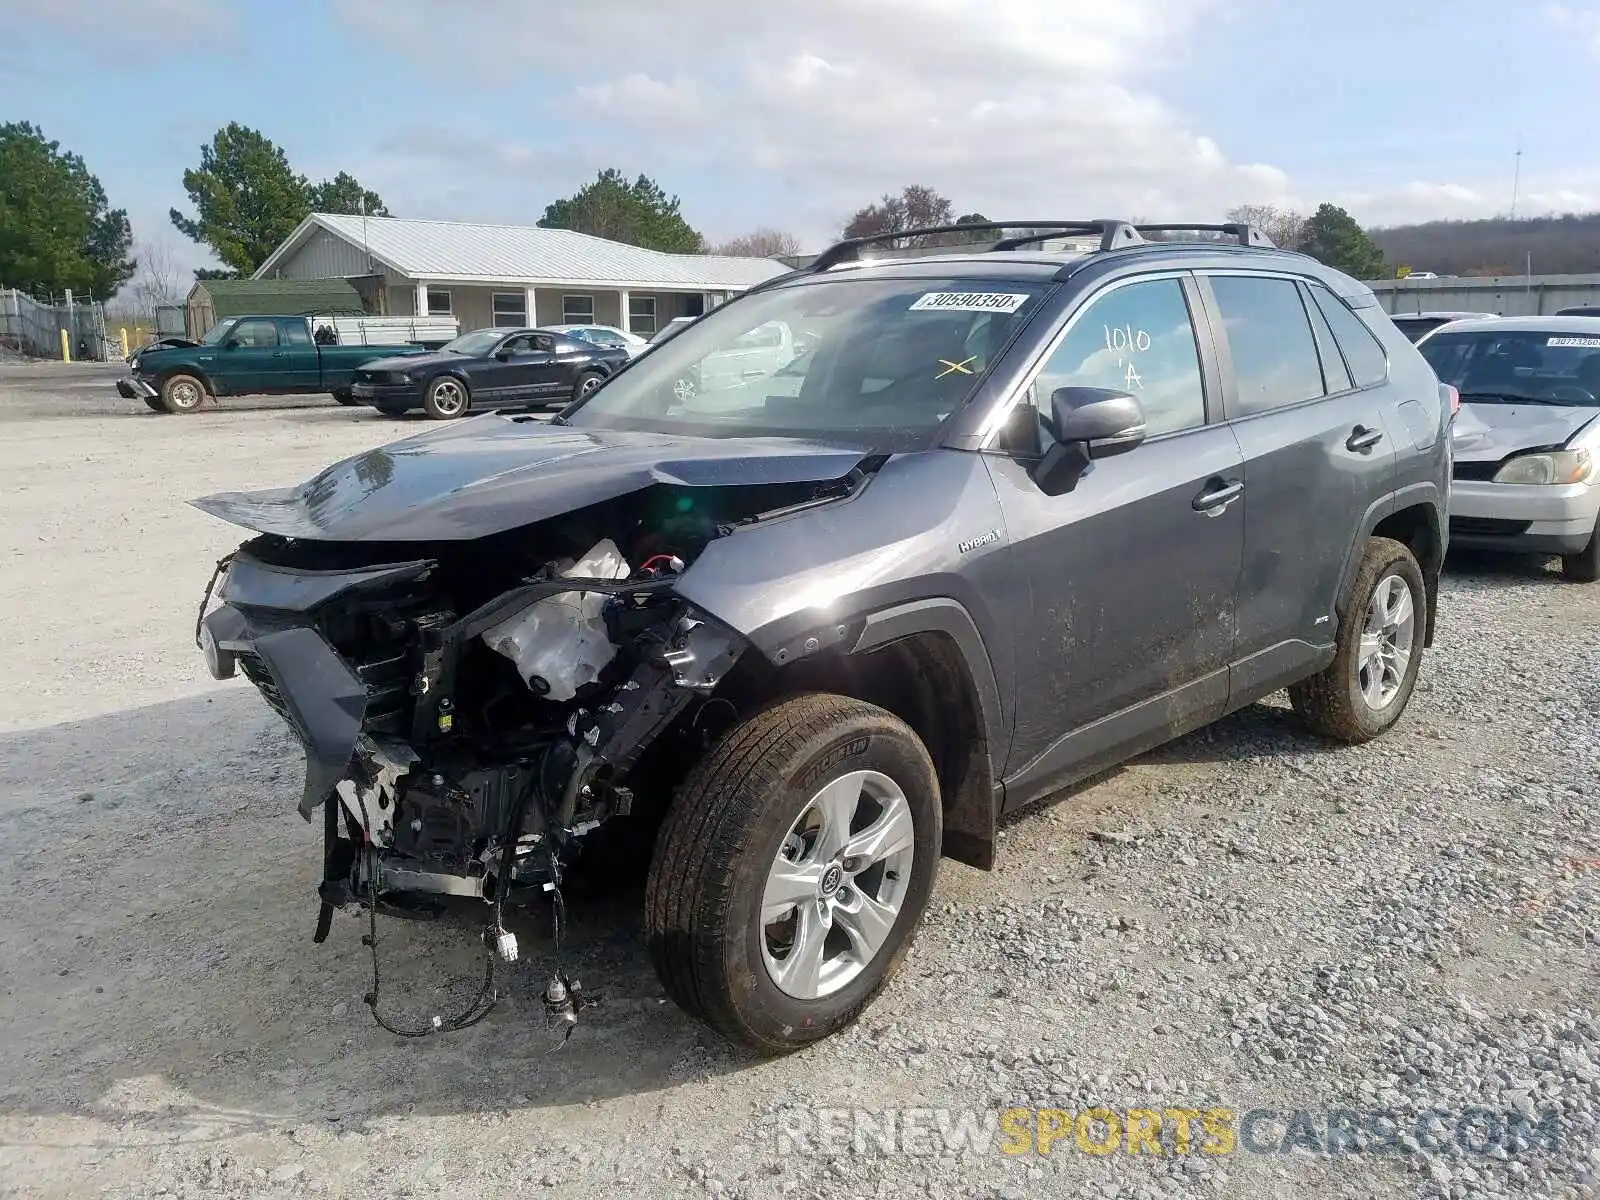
{"x":1245,"y":919}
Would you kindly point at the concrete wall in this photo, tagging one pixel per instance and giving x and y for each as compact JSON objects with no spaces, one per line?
{"x":1506,"y":295}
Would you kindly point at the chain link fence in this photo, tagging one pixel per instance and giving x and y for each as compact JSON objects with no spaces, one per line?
{"x":32,"y":328}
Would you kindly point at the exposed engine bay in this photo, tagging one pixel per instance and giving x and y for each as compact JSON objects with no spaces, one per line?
{"x":474,"y":711}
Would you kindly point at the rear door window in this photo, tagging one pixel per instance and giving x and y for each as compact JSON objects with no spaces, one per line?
{"x":1335,"y":375}
{"x":1275,"y":362}
{"x":294,"y":333}
{"x":1369,"y":364}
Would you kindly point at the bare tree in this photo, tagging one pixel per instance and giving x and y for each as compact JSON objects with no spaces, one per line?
{"x":916,"y":207}
{"x":159,"y":279}
{"x":760,"y":243}
{"x":1286,"y":228}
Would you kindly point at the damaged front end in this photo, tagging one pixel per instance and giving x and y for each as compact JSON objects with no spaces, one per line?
{"x":463,"y":744}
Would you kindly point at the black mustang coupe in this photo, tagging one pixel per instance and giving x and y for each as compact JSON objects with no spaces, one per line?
{"x":487,"y":368}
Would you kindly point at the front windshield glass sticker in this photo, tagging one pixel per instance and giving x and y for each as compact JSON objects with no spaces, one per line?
{"x":1000,"y":302}
{"x":950,"y":368}
{"x":1587,"y":343}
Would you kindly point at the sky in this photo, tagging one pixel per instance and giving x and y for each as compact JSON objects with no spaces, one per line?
{"x":791,"y":115}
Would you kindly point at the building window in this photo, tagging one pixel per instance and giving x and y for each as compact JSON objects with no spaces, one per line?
{"x":510,"y":310}
{"x":642,"y":314}
{"x":577,"y":310}
{"x":438,"y":303}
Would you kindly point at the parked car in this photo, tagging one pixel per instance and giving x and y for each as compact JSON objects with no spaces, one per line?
{"x":1027,"y":515}
{"x":1418,"y":325}
{"x":671,"y":329}
{"x":268,"y":355}
{"x":489,"y":368}
{"x":1579,"y":310}
{"x":602,"y":335}
{"x":1528,"y":435}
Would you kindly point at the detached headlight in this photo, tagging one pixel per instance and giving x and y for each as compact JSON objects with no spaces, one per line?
{"x":1560,"y":466}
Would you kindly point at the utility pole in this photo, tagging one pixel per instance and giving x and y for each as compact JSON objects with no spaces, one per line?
{"x":1516,"y":177}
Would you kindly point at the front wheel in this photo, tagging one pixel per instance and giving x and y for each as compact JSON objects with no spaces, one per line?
{"x":446,"y":398}
{"x":182,"y":394}
{"x":345,"y":397}
{"x":792,"y":869}
{"x":1366,"y":687}
{"x":1584,"y":566}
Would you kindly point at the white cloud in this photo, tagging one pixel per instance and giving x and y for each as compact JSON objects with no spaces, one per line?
{"x":1423,"y":201}
{"x":1010,"y":107}
{"x":765,"y":114}
{"x":1582,"y":22}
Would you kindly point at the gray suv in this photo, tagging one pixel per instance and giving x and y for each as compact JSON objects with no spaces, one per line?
{"x":1011,"y":517}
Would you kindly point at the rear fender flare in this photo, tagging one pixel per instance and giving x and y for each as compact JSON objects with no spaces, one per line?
{"x":1424,"y":494}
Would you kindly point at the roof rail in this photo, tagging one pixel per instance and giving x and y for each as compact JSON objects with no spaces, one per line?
{"x":1112,"y":233}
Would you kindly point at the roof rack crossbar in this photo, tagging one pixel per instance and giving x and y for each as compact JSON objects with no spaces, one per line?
{"x":1111,"y":233}
{"x":1245,"y":235}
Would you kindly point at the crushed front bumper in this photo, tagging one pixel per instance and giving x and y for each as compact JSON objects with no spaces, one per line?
{"x":131,"y":387}
{"x":1523,"y":518}
{"x":265,"y":626}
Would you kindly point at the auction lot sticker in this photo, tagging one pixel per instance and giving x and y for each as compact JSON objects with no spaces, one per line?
{"x":981,"y":302}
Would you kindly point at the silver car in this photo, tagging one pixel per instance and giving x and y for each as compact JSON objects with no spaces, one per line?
{"x":1527,"y":436}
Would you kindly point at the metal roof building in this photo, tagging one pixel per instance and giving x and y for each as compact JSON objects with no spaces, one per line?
{"x":509,"y":275}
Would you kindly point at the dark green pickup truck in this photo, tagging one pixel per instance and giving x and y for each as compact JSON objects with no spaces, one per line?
{"x":250,"y":356}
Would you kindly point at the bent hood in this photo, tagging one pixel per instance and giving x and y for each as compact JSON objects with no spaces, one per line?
{"x":1490,"y":432}
{"x":494,"y":473}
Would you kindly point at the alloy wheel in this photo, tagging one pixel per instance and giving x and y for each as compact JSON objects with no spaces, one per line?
{"x":837,"y":885}
{"x":1386,"y":642}
{"x":448,"y":397}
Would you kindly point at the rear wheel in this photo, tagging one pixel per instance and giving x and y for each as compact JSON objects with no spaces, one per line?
{"x":182,"y":394}
{"x":1367,"y":686}
{"x":447,"y":398}
{"x":1584,"y":566}
{"x":792,"y":869}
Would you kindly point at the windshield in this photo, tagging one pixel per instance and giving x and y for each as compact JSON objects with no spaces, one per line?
{"x":873,"y":363}
{"x":1492,"y":366}
{"x":217,"y":332}
{"x":479,"y":341}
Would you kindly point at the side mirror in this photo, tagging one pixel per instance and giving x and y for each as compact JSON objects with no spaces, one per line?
{"x":1087,"y":423}
{"x":504,"y":354}
{"x":232,"y":343}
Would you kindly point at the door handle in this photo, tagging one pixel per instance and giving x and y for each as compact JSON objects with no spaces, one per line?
{"x":279,"y":354}
{"x":1217,"y":495}
{"x":1362,"y":439}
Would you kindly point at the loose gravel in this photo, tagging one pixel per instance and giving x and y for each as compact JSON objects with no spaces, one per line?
{"x":1248,"y":919}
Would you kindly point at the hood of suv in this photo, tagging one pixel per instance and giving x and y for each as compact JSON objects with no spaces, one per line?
{"x":1489,"y":432}
{"x":494,"y":473}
